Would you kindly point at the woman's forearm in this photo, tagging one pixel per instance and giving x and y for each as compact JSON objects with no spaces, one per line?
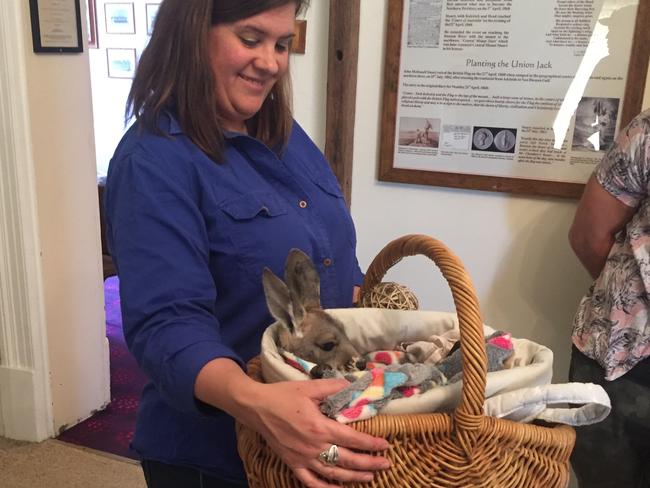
{"x":598,"y":218}
{"x":222,"y":384}
{"x":592,"y":251}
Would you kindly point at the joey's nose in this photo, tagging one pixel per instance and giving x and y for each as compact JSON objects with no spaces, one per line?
{"x":317,"y":372}
{"x":360,"y":364}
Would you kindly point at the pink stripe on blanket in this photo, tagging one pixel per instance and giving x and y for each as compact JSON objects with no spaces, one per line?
{"x":355,"y":412}
{"x":503,"y":341}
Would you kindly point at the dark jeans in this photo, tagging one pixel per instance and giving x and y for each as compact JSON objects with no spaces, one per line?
{"x":161,"y":475}
{"x":614,"y":453}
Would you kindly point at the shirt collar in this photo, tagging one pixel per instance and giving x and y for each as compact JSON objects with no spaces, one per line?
{"x":170,"y":125}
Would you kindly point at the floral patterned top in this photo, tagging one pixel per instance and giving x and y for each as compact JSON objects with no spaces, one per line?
{"x":611,"y":325}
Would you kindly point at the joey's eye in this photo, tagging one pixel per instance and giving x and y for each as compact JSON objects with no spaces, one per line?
{"x":327,"y":346}
{"x":282,"y":47}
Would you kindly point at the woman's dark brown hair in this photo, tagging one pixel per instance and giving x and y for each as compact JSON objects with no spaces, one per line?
{"x":174,"y":71}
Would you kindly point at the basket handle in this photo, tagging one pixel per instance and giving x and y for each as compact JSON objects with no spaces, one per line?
{"x":469,"y":412}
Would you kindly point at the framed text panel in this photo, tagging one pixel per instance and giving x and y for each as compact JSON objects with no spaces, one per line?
{"x":56,"y":26}
{"x":521,"y":97}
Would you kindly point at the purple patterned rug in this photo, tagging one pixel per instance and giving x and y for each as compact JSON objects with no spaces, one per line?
{"x":111,"y":429}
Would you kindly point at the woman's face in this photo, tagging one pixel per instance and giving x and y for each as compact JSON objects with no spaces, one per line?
{"x":248,"y":57}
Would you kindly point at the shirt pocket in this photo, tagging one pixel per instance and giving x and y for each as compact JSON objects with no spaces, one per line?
{"x":254,"y":204}
{"x":330,"y":186}
{"x":257,"y":226}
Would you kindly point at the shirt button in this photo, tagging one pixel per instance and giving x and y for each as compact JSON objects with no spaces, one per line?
{"x":327,"y":262}
{"x":302,"y":204}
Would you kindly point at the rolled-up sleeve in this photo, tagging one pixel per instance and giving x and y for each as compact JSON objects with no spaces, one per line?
{"x":158,"y":240}
{"x":624,"y":171}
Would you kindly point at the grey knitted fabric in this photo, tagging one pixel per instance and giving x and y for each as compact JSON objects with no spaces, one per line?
{"x":452,"y":366}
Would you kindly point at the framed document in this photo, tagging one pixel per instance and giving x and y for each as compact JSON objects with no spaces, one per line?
{"x":520,"y":97}
{"x":120,"y":18}
{"x":56,"y":26}
{"x":152,"y":11}
{"x":121,"y":62}
{"x":92,"y":24}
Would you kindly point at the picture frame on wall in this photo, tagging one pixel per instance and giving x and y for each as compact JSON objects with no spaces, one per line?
{"x":121,"y":62}
{"x":152,"y":11}
{"x":299,"y":37}
{"x":489,"y":112}
{"x":91,"y":20}
{"x":120,"y":18}
{"x":56,"y":26}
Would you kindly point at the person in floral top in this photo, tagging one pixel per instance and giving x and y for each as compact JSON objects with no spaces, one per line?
{"x":611,"y":330}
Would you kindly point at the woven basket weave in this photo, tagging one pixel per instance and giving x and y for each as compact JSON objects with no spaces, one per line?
{"x":464,"y":448}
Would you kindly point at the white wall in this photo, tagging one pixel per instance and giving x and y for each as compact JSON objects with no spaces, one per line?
{"x":514,"y":248}
{"x":309,"y":74}
{"x":109,"y":94}
{"x":60,"y":125}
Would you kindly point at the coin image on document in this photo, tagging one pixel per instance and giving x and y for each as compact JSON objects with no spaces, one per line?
{"x":482,"y":138}
{"x":505,"y":140}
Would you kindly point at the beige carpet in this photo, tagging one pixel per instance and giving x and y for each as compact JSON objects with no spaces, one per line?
{"x":54,"y":464}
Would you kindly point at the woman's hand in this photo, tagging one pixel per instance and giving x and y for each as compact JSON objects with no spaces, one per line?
{"x":286,"y":414}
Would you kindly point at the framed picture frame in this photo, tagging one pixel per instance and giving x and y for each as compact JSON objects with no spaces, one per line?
{"x":299,"y":40}
{"x":56,"y":26}
{"x":120,"y":18}
{"x":92,"y":24}
{"x":121,"y":62}
{"x":468,"y":104}
{"x":151,"y":10}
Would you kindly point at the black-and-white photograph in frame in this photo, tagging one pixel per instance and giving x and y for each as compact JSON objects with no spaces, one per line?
{"x":494,"y":139}
{"x":595,"y":123}
{"x":120,"y":18}
{"x":121,"y":62}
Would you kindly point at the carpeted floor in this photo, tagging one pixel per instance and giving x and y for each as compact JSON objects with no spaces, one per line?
{"x":54,"y":464}
{"x":111,"y":430}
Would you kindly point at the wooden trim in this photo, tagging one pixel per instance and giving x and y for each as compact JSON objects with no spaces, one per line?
{"x":632,"y":104}
{"x":26,"y":401}
{"x":479,"y":182}
{"x":389,"y":99}
{"x":92,"y":24}
{"x":299,"y":40}
{"x":638,"y":67}
{"x":342,"y":64}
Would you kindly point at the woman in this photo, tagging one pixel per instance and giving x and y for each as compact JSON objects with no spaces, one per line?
{"x":212,"y":183}
{"x":611,"y":330}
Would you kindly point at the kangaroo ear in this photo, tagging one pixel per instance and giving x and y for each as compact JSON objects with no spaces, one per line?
{"x":278,"y":299}
{"x":302,"y":279}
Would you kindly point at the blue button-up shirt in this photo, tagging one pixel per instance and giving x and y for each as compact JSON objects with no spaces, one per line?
{"x":190,"y":239}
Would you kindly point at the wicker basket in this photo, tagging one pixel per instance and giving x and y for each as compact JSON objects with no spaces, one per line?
{"x":464,"y":448}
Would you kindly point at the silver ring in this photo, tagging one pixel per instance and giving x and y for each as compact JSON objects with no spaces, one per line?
{"x":330,"y":457}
